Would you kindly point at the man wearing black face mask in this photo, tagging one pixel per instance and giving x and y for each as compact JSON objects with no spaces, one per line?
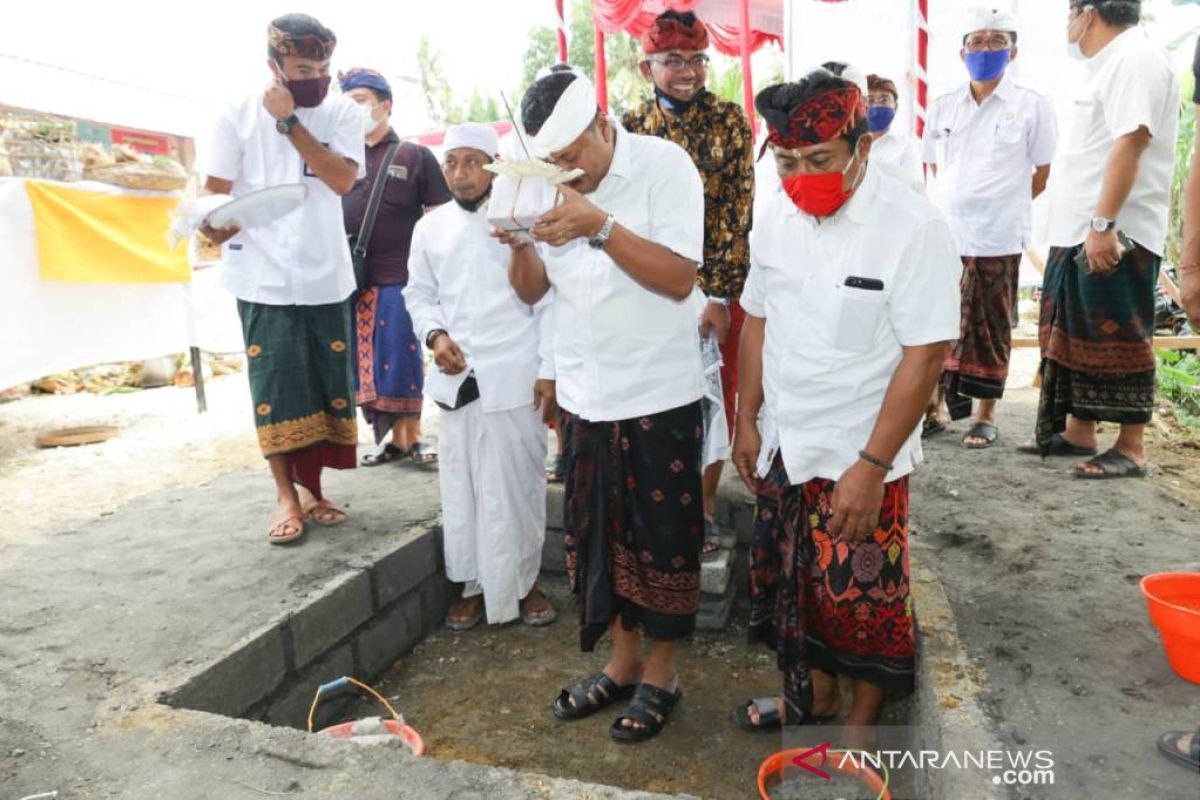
{"x":292,"y":277}
{"x":716,"y":134}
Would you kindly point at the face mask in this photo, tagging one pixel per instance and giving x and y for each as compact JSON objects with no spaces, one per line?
{"x":880,"y":118}
{"x":309,"y":93}
{"x":370,"y":122}
{"x":1075,"y":48}
{"x":988,"y":65}
{"x":820,"y":194}
{"x":673,"y":104}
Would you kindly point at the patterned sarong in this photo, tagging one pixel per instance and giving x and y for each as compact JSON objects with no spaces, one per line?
{"x":298,"y":362}
{"x":390,"y":375}
{"x":634,"y":522}
{"x":1096,"y":333}
{"x":821,"y":605}
{"x":977,"y":364}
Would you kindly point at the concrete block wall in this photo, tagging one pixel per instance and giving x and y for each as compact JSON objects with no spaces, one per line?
{"x":357,"y":624}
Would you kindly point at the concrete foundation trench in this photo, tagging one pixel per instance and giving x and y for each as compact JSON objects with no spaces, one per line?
{"x":483,"y":697}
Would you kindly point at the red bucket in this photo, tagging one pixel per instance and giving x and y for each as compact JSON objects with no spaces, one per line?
{"x":771,"y":771}
{"x":1173,"y":599}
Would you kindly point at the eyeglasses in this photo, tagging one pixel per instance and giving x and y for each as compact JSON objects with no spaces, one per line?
{"x":994,"y":42}
{"x":878,"y":100}
{"x":677,"y":63}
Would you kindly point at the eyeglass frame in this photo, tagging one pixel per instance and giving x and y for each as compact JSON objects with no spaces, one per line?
{"x":700,"y":61}
{"x":1010,"y":41}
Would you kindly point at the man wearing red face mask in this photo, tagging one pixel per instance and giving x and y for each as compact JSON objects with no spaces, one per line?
{"x":292,"y":277}
{"x":851,"y":301}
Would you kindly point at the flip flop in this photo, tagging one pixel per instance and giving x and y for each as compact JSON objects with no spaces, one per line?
{"x":1168,"y":743}
{"x":314,"y":514}
{"x":466,"y":625}
{"x":931,"y":427}
{"x":1114,"y":465}
{"x":981,"y":430}
{"x":1058,"y":446}
{"x":278,"y":532}
{"x":385,"y":455}
{"x":541,"y":619}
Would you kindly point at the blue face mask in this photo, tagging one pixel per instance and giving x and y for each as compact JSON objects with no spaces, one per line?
{"x":988,"y":65}
{"x":880,"y":118}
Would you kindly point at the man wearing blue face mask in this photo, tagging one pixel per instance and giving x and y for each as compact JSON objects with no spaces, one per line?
{"x":989,"y":144}
{"x":891,"y":146}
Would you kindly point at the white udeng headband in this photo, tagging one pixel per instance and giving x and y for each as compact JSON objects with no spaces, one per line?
{"x":572,"y":114}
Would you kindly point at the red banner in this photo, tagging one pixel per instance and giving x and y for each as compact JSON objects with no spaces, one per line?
{"x":153,"y":144}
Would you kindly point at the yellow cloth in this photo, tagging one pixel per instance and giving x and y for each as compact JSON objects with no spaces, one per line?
{"x":93,"y":237}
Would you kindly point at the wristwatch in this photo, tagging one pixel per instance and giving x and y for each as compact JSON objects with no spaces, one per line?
{"x":286,"y":124}
{"x":1102,"y":225}
{"x":601,"y":239}
{"x":432,"y":337}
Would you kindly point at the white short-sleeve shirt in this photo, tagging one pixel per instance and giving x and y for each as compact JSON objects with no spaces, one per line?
{"x":841,"y":300}
{"x":621,"y":350}
{"x":986,"y":154}
{"x":301,"y":258}
{"x":1130,"y":85}
{"x":901,"y":152}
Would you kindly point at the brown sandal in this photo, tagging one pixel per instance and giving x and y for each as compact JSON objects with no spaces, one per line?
{"x":279,"y":532}
{"x":325,"y":514}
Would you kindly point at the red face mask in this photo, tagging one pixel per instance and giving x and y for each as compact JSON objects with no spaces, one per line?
{"x":819,"y":194}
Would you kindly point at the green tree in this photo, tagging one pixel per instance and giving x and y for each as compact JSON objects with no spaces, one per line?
{"x":430,"y":80}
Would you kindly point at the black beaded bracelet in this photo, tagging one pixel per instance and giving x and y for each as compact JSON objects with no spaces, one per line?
{"x":878,"y":462}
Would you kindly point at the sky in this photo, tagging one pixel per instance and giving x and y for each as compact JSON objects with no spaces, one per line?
{"x":189,"y":61}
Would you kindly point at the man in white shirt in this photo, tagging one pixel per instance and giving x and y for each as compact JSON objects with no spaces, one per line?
{"x":495,"y":385}
{"x":292,"y":276}
{"x":851,"y":301}
{"x":1109,"y":205}
{"x":989,"y":145}
{"x":890,"y":146}
{"x":621,"y":253}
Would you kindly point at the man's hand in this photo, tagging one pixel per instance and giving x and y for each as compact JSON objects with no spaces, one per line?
{"x":1189,"y":295}
{"x":856,"y":502}
{"x":747,"y":443}
{"x":716,"y":317}
{"x":448,"y":355}
{"x":509,"y":238}
{"x":278,"y":100}
{"x":1103,"y":251}
{"x":219,"y":235}
{"x":575,"y":218}
{"x":545,"y":398}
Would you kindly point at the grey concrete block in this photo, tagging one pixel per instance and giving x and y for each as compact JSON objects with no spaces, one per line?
{"x":404,"y":569}
{"x":436,"y":594}
{"x":554,"y":553}
{"x":715,"y":575}
{"x":392,"y":634}
{"x":555,"y":506}
{"x":291,"y":707}
{"x":714,"y":612}
{"x":343,"y":605}
{"x":245,"y":676}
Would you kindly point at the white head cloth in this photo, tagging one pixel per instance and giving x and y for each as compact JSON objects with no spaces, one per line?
{"x":473,"y":134}
{"x":989,"y":19}
{"x":850,"y":73}
{"x":572,"y":114}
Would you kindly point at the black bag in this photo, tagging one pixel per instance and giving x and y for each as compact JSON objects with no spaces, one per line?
{"x":358,"y":241}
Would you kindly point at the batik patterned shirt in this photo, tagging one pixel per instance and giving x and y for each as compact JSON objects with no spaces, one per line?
{"x":716,"y":135}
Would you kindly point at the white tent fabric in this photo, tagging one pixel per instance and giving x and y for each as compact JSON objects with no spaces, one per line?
{"x":50,"y":326}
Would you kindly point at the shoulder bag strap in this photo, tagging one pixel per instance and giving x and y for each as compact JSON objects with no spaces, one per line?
{"x":368,"y":223}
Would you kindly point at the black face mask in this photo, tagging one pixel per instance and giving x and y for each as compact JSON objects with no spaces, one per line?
{"x":309,"y":93}
{"x":471,"y":206}
{"x":675,"y":105}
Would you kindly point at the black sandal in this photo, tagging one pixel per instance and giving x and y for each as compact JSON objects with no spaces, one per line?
{"x":575,"y":701}
{"x":1113,"y":465}
{"x":931,"y":427}
{"x":1058,"y":446}
{"x":384,"y":455}
{"x":1168,"y":743}
{"x":769,"y":718}
{"x":651,"y":707}
{"x":986,"y":431}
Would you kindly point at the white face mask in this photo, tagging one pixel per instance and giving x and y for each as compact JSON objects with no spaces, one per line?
{"x":1075,"y":48}
{"x":370,"y":121}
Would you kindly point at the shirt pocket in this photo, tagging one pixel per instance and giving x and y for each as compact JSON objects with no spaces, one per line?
{"x":857,"y":318}
{"x":400,"y":188}
{"x":1009,"y":139}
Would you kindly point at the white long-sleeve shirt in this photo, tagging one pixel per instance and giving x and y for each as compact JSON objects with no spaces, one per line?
{"x":458,"y":281}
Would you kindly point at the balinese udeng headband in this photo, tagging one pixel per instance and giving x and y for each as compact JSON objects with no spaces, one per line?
{"x":817,"y":120}
{"x":572,"y":115}
{"x":360,"y":78}
{"x":306,"y":46}
{"x":673,"y":34}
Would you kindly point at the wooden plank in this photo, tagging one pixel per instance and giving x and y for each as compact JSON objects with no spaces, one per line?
{"x":1160,"y":343}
